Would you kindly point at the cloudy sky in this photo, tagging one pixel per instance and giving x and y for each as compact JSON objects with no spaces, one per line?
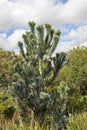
{"x":70,"y":16}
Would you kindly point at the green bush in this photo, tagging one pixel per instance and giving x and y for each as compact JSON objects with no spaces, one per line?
{"x":77,"y":103}
{"x":7,"y":106}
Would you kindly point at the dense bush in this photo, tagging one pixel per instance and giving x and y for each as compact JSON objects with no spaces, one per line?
{"x":8,"y":60}
{"x":74,"y":73}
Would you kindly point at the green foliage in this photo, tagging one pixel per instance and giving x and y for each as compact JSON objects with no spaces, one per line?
{"x":7,"y":61}
{"x":38,"y":69}
{"x":7,"y":108}
{"x":77,"y":103}
{"x":7,"y":75}
{"x":75,"y":72}
{"x":6,"y":103}
{"x":63,"y":94}
{"x":60,"y":111}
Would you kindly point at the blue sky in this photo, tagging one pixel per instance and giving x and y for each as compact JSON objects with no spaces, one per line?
{"x":70,"y":16}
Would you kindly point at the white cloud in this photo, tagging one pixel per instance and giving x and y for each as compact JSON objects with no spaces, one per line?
{"x":2,"y":39}
{"x":79,"y":35}
{"x":83,"y":44}
{"x":9,"y":43}
{"x":19,"y":12}
{"x":76,"y":37}
{"x":65,"y":46}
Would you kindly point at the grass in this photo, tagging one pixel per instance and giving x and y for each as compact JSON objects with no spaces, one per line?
{"x":76,"y":122}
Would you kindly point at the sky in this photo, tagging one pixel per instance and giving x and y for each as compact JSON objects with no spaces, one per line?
{"x":69,"y":16}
